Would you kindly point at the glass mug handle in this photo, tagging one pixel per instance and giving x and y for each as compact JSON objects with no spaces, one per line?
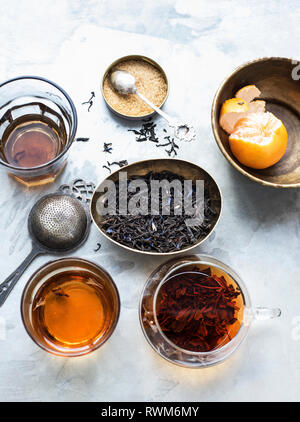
{"x":259,"y":313}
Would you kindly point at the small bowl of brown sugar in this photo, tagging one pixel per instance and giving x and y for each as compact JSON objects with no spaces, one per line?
{"x":151,"y":81}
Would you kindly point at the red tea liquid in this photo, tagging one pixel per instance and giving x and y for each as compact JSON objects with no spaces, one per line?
{"x":200,"y":309}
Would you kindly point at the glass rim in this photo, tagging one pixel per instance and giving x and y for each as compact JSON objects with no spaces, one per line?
{"x":240,"y":335}
{"x":69,"y":352}
{"x":73,"y":131}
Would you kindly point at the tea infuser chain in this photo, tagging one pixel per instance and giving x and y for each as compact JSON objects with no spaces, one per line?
{"x":79,"y":189}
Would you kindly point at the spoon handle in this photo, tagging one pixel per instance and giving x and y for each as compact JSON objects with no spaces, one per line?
{"x":7,"y":285}
{"x":169,"y":119}
{"x":188,"y":134}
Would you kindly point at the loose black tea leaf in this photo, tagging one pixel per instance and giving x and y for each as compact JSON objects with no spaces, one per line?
{"x":106,"y":167}
{"x":82,"y":139}
{"x":59,"y":292}
{"x":121,"y":163}
{"x":19,"y":155}
{"x":107,"y":147}
{"x":147,"y":134}
{"x":160,"y":233}
{"x":90,"y":100}
{"x":170,"y":142}
{"x":98,"y":247}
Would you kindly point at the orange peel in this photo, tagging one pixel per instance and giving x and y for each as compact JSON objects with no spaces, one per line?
{"x":231,"y":111}
{"x":248,"y":93}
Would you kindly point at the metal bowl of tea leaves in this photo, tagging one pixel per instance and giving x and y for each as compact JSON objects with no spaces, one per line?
{"x":278,"y":80}
{"x":156,"y":233}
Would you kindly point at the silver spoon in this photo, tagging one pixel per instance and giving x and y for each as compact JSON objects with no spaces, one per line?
{"x":57,"y":223}
{"x":124,"y":82}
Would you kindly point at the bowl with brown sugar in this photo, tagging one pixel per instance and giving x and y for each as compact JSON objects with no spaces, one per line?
{"x":151,"y":81}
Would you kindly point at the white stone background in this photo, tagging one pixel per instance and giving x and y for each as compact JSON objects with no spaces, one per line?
{"x":198,"y":42}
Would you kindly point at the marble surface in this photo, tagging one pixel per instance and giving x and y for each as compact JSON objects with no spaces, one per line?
{"x":198,"y":42}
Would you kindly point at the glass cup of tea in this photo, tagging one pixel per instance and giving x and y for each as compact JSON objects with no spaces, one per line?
{"x":38,"y":123}
{"x":195,"y":311}
{"x":70,"y":307}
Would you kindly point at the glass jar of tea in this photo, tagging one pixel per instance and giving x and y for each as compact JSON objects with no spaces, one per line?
{"x":38,"y":123}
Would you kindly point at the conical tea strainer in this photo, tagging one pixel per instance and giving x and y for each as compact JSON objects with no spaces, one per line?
{"x":57,"y":223}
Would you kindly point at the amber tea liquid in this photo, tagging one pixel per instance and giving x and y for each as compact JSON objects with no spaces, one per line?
{"x":71,"y":310}
{"x":32,"y":140}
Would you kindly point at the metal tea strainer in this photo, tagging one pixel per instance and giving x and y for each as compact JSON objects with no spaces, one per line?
{"x":57,"y":223}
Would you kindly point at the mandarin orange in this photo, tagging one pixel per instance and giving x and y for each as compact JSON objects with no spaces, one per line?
{"x":259,"y":140}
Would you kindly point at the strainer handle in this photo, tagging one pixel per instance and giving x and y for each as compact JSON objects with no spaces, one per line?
{"x":8,"y":284}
